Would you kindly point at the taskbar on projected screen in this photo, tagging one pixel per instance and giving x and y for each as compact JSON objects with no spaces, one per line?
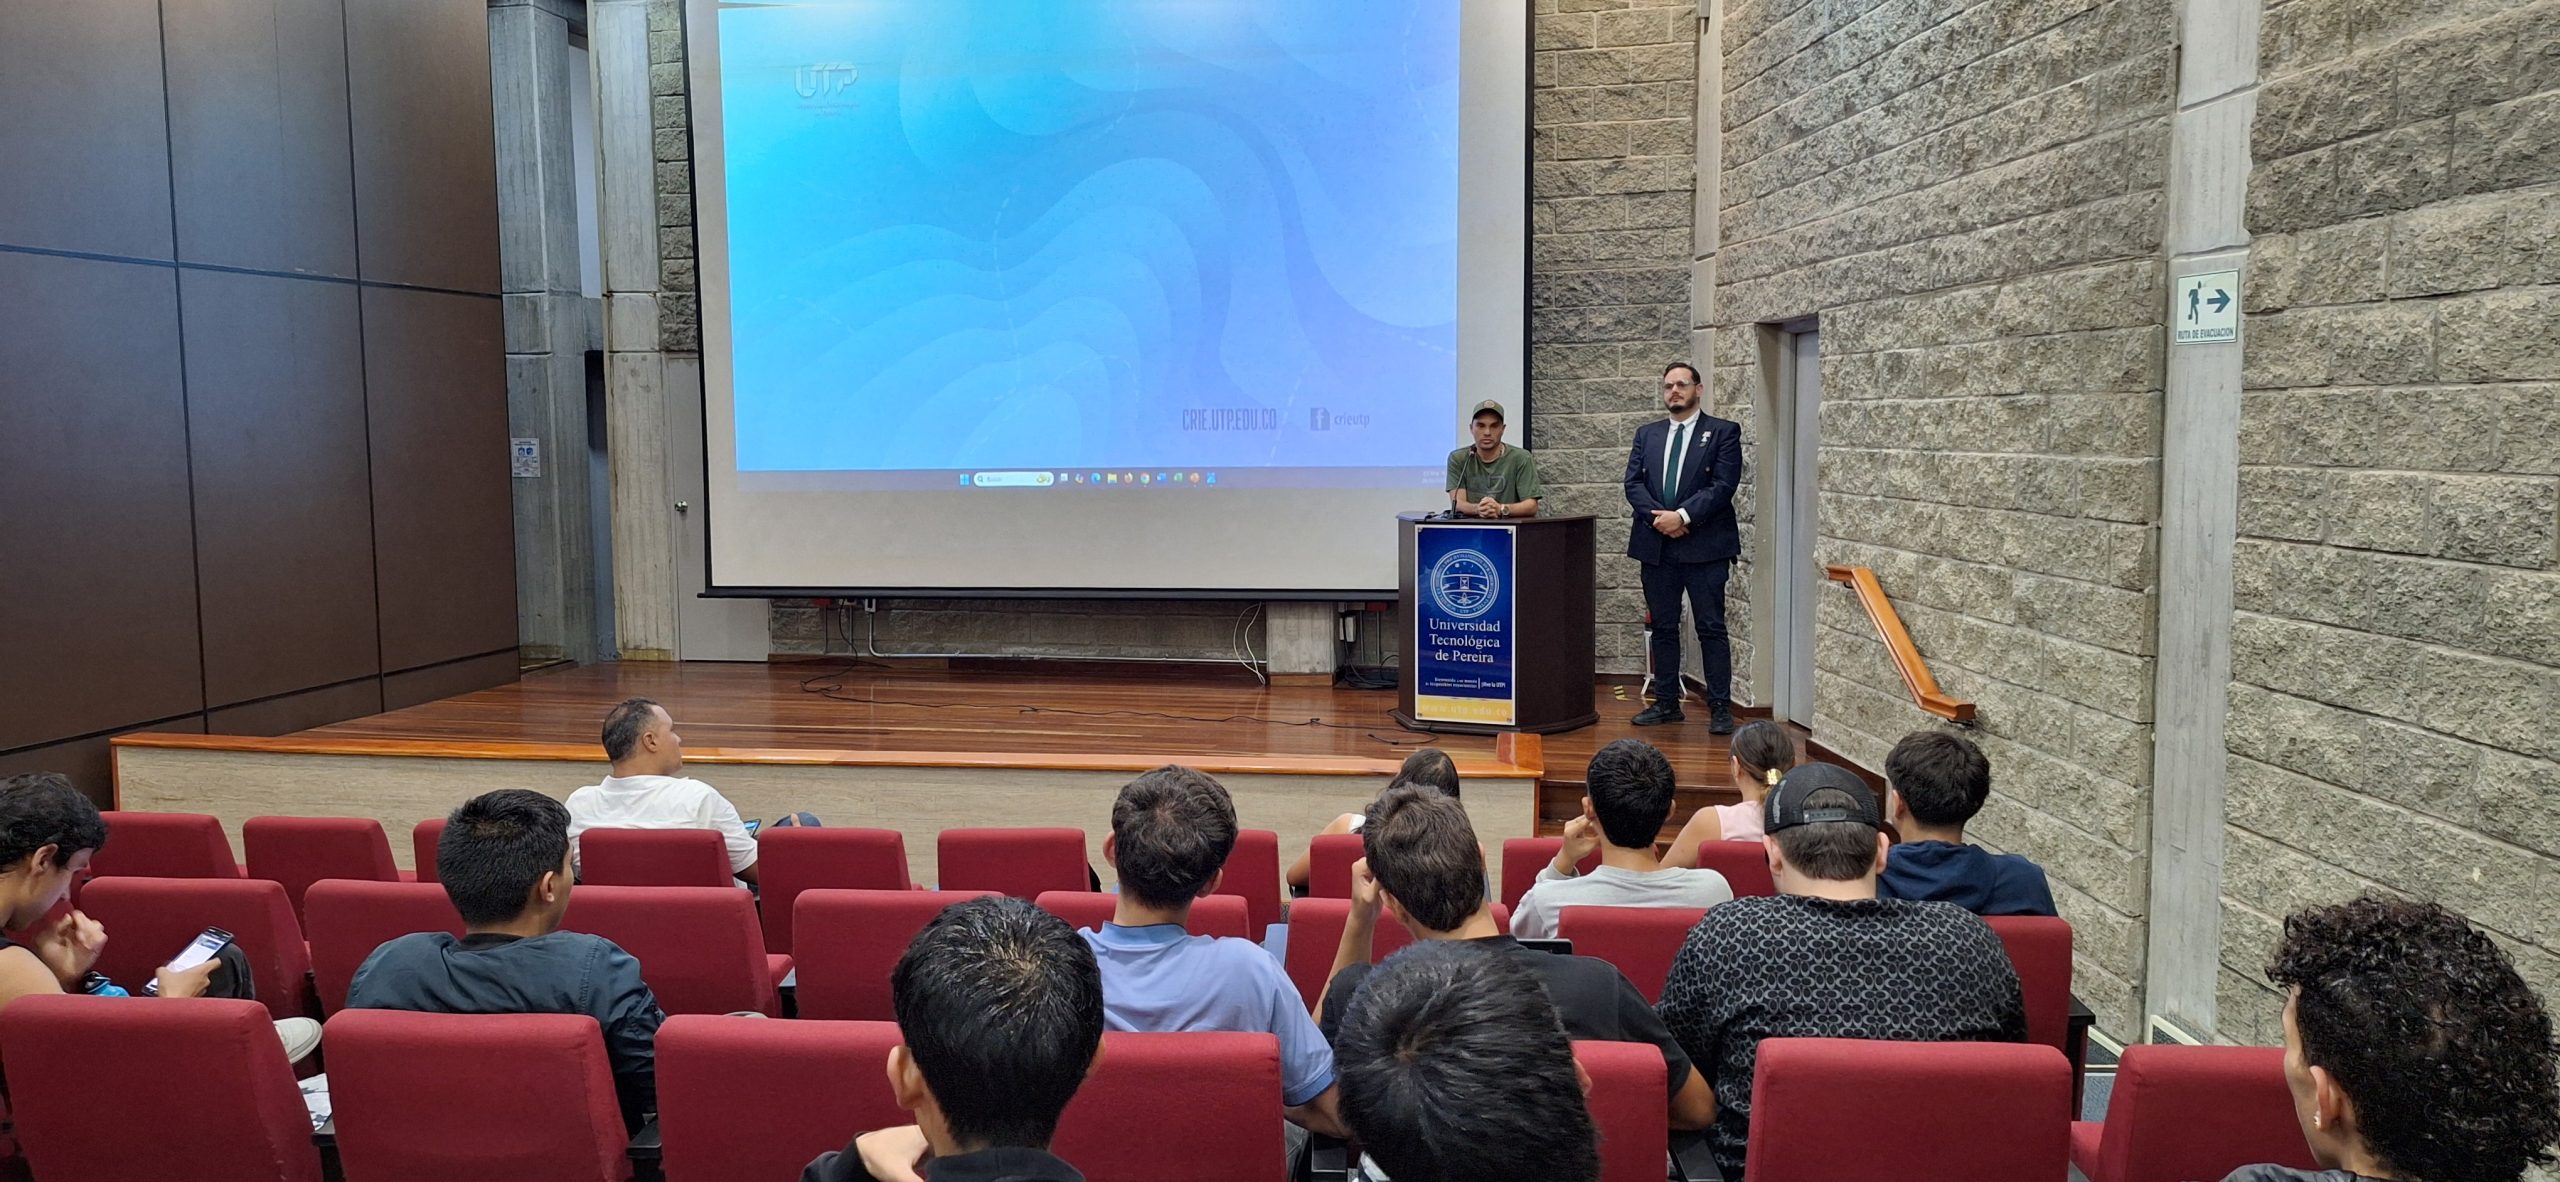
{"x":1063,"y":480}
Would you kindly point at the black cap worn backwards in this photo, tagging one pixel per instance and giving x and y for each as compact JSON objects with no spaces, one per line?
{"x":1787,"y":808}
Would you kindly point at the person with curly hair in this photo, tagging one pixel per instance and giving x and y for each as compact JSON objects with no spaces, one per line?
{"x":2414,"y":1050}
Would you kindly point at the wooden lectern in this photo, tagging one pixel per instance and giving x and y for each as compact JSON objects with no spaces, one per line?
{"x":1494,"y":617}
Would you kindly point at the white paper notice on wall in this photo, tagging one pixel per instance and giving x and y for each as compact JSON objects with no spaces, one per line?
{"x":2206,"y":308}
{"x":525,"y":456}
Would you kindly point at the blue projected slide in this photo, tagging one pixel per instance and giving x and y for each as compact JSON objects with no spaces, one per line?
{"x":1160,"y":235}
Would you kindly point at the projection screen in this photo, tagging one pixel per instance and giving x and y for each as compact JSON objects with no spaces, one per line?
{"x":1164,"y":297}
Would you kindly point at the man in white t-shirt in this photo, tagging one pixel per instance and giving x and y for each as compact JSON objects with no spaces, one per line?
{"x":1630,"y":789}
{"x":646,"y":790}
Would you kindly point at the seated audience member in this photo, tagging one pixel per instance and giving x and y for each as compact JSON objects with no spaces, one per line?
{"x":1630,"y":787}
{"x":1939,"y":781}
{"x":2415,"y":1051}
{"x":645,"y":790}
{"x":48,"y":833}
{"x":1456,"y":1069}
{"x":1000,"y":1015}
{"x":504,"y":860}
{"x":1430,"y":767}
{"x":1426,"y":871}
{"x":1171,"y":831}
{"x":1826,"y":958}
{"x":1762,"y":752}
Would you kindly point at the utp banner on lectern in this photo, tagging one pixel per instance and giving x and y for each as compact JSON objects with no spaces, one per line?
{"x":1464,"y":642}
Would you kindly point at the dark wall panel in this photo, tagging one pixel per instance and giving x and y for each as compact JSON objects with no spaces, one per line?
{"x":284,"y":519}
{"x":84,"y":149}
{"x":258,"y":134}
{"x":425,"y":148}
{"x":97,"y":563}
{"x":88,"y":761}
{"x":403,"y":690}
{"x":299,"y":712}
{"x":443,"y":507}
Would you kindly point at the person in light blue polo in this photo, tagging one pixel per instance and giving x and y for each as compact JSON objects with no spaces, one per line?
{"x":1171,"y":831}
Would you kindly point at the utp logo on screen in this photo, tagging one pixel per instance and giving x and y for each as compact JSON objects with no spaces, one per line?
{"x":824,"y":80}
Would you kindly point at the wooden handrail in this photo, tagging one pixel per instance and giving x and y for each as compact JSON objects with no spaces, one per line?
{"x":1897,"y":641}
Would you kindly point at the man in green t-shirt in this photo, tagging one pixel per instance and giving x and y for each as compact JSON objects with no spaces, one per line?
{"x":1493,"y":479}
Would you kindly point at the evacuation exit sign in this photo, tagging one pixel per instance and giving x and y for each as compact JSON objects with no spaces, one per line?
{"x":2206,"y":308}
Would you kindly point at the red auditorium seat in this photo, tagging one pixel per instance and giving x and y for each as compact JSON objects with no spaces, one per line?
{"x":2180,"y":1113}
{"x":1315,"y":934}
{"x":1923,"y":1111}
{"x":845,"y":943}
{"x":1627,"y":1109}
{"x":2040,"y":948}
{"x":1641,"y":941}
{"x":1211,"y":915}
{"x":164,"y":845}
{"x":699,"y":947}
{"x":149,"y":919}
{"x":1017,"y":862}
{"x":1524,"y":857}
{"x":1192,"y":1107}
{"x":1329,"y":859}
{"x":799,"y":858}
{"x":422,"y":847}
{"x":745,"y":1100}
{"x":108,"y":1090}
{"x":1253,"y":874}
{"x":299,"y":851}
{"x":434,"y":1097}
{"x":654,"y":857}
{"x":348,"y":919}
{"x":1744,"y":865}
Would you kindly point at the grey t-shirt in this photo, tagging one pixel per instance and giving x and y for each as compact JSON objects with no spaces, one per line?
{"x":1608,"y":886}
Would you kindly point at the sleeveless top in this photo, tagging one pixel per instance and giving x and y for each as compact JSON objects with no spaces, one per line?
{"x":1743,"y":822}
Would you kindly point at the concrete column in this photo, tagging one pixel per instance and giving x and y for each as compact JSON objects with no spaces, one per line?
{"x":2199,"y":504}
{"x":530,"y":65}
{"x":644,"y":533}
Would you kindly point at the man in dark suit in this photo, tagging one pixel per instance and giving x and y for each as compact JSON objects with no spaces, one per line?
{"x":1680,"y":481}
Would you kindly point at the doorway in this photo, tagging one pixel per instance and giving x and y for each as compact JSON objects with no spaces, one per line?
{"x":1792,"y":355}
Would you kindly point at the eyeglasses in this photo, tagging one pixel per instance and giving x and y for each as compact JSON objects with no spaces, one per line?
{"x":1677,"y":385}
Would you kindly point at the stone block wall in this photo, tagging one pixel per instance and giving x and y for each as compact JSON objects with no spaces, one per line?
{"x":2395,"y":706}
{"x":1970,"y":196}
{"x":1612,"y":179}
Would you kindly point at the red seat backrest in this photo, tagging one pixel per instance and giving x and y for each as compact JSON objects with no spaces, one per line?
{"x":348,"y":919}
{"x":433,"y":1097}
{"x":164,"y":845}
{"x":1641,"y":941}
{"x":423,"y":838}
{"x":111,"y":1090}
{"x":1017,"y":862}
{"x":699,"y":947}
{"x":1315,"y":934}
{"x":1627,"y":1110}
{"x":799,"y":858}
{"x":845,"y":942}
{"x":1524,"y":857}
{"x":746,"y":1100}
{"x":299,"y":851}
{"x":2040,"y":948}
{"x":1190,"y":1107}
{"x":1744,"y":865}
{"x":1329,"y":859}
{"x":654,"y":857}
{"x":149,"y":919}
{"x":1949,"y":1110}
{"x":1253,"y":874}
{"x":1211,"y":915}
{"x":2181,"y":1112}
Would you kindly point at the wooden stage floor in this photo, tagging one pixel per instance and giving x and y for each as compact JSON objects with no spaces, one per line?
{"x":1044,"y":717}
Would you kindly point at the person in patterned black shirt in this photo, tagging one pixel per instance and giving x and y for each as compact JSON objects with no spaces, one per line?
{"x":1826,"y":958}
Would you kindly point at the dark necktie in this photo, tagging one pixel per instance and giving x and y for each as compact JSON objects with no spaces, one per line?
{"x":1671,"y":471}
